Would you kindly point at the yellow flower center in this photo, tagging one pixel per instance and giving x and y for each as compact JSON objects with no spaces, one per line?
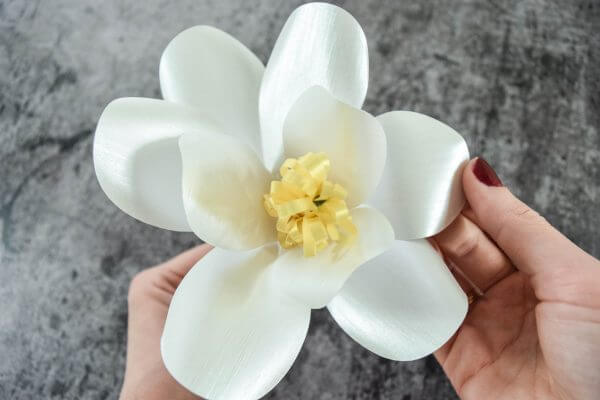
{"x":310,"y":210}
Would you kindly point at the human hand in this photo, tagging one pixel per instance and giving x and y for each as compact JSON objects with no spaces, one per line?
{"x":535,"y":334}
{"x":149,"y":297}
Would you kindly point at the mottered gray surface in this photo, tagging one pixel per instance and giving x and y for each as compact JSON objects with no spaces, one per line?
{"x":519,"y":79}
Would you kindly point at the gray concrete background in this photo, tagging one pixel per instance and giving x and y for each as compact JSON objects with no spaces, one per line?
{"x":518,"y":78}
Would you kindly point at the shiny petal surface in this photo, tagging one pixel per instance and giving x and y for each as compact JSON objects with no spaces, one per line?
{"x":137,"y":159}
{"x":402,"y":305}
{"x":223,"y":186}
{"x":353,"y":140}
{"x":320,"y":44}
{"x":420,"y":191}
{"x":208,"y":69}
{"x":228,"y":334}
{"x":315,"y":280}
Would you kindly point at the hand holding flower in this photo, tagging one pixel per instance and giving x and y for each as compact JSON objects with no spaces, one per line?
{"x":535,"y":334}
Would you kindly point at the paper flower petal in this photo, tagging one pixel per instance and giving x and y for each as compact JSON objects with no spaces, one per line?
{"x":353,"y":140}
{"x":402,"y":305}
{"x":223,"y":186}
{"x":315,"y":280}
{"x":210,"y":70}
{"x":228,"y":334}
{"x":420,"y":191}
{"x":320,"y":44}
{"x":137,"y":159}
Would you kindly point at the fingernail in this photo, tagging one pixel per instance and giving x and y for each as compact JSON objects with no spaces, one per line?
{"x":485,"y":173}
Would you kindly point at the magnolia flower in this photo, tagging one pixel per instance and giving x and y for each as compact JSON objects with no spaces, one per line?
{"x":296,"y":187}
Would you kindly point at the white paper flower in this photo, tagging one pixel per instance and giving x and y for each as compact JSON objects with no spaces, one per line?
{"x":200,"y":160}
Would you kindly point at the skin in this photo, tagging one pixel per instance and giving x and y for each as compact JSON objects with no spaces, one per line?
{"x":150,"y":294}
{"x":535,"y":334}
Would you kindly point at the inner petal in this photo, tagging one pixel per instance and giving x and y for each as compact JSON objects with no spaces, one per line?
{"x":222,"y":184}
{"x":311,"y":211}
{"x":353,"y":140}
{"x":314,"y":281}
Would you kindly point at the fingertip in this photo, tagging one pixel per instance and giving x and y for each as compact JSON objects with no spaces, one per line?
{"x":468,"y":179}
{"x":479,"y":173}
{"x":481,"y":185}
{"x":199,"y":251}
{"x":468,"y":170}
{"x":202,"y":249}
{"x":183,"y":262}
{"x":484,"y":173}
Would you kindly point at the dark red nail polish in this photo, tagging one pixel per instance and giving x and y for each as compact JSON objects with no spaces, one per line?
{"x":485,"y":173}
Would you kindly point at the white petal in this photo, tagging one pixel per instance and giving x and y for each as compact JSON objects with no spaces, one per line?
{"x":353,"y":139}
{"x":315,"y":280}
{"x":320,"y":44}
{"x":208,"y":69}
{"x":223,"y":186}
{"x":402,"y":305}
{"x":228,"y":334}
{"x":421,"y":190}
{"x":137,"y":159}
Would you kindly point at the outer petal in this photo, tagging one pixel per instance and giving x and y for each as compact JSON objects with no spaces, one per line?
{"x":315,"y":280}
{"x":320,"y":44}
{"x":223,"y":186}
{"x":228,"y":335}
{"x":137,"y":160}
{"x":353,"y":139}
{"x":403,"y":304}
{"x":208,"y":69}
{"x":420,"y":191}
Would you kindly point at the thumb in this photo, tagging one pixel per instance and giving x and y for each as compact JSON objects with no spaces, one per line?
{"x":533,"y":245}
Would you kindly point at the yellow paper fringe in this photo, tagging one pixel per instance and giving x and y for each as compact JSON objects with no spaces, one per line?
{"x":310,"y":210}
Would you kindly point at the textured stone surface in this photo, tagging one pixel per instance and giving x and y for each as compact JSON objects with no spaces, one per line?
{"x":520,"y":79}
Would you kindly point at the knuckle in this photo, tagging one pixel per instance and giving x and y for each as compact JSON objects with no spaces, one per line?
{"x":138,"y":285}
{"x":467,"y":244}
